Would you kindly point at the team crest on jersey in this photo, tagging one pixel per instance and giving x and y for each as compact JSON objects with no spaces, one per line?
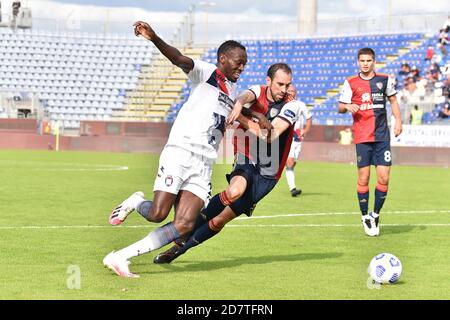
{"x":274,"y":112}
{"x":169,"y":181}
{"x":379,"y":85}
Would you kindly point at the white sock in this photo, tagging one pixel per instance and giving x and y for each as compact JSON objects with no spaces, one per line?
{"x":155,"y":240}
{"x":374,"y":215}
{"x":290,"y":176}
{"x":142,"y":246}
{"x":137,"y":201}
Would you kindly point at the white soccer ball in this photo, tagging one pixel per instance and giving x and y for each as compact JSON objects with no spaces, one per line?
{"x":385,"y":268}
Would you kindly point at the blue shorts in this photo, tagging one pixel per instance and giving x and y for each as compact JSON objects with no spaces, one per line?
{"x":374,"y":153}
{"x":257,"y":188}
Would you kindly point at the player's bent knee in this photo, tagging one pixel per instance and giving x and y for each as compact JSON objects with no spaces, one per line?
{"x":218,"y":222}
{"x":383,"y":181}
{"x":184,"y":226}
{"x":157,"y":214}
{"x":290,"y":164}
{"x":234,"y":193}
{"x":363,"y":182}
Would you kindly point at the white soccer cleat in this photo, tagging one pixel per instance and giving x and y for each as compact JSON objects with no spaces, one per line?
{"x":118,"y":265}
{"x":371,"y":227}
{"x":121,"y":212}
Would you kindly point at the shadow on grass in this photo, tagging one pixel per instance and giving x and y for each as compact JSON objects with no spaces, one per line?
{"x":307,"y":194}
{"x":183,"y":266}
{"x":386,"y":230}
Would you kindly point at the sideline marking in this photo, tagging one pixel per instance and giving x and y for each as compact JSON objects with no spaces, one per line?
{"x":60,"y":166}
{"x":325,"y":225}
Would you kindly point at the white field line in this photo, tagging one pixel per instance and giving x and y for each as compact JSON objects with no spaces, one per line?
{"x":99,"y":168}
{"x":338,"y":225}
{"x":149,"y":226}
{"x":338,"y":213}
{"x":232,"y":226}
{"x":62,"y":166}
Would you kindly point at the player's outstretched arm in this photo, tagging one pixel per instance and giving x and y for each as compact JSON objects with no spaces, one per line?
{"x":173,"y":54}
{"x":241,"y":108}
{"x":261,"y":119}
{"x":244,"y":98}
{"x":279,"y":126}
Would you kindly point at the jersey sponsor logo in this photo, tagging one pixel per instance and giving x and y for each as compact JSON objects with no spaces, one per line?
{"x":225,"y":100}
{"x":369,"y":106}
{"x":217,"y":129}
{"x":377,"y":97}
{"x":365,"y":97}
{"x":289,"y":113}
{"x":374,"y":97}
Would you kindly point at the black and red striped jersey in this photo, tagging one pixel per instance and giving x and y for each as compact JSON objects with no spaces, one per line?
{"x":270,"y":158}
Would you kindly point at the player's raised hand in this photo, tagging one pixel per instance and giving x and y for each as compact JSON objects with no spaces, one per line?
{"x":142,"y":28}
{"x":265,"y":124}
{"x":234,"y":114}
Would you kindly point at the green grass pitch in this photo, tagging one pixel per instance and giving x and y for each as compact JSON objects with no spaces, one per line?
{"x":53,"y":219}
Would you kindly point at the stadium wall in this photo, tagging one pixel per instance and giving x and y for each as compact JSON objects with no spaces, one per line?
{"x":417,"y":156}
{"x":320,"y":145}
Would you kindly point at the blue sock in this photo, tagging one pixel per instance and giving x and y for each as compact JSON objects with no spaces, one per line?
{"x":216,"y":205}
{"x":380,"y":197}
{"x":144,"y":209}
{"x":201,"y":219}
{"x":214,"y":208}
{"x":363,"y":199}
{"x":200,"y":235}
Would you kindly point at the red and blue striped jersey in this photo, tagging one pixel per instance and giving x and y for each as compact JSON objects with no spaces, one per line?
{"x":370,"y":121}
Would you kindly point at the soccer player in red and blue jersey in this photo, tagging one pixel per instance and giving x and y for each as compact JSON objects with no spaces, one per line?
{"x":365,"y":96}
{"x":259,"y":163}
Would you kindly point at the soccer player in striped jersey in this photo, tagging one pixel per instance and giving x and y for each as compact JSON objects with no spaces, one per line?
{"x":183,"y":180}
{"x":301,"y":129}
{"x":259,"y":163}
{"x":365,"y":96}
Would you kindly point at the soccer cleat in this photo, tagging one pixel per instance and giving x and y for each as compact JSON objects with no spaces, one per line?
{"x":118,"y":265}
{"x":295,"y":192}
{"x":370,"y":224}
{"x":169,"y":255}
{"x":376,"y":223}
{"x":121,"y":212}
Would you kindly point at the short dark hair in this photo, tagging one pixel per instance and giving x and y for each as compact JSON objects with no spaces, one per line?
{"x":366,"y":51}
{"x":278,"y":66}
{"x":227,"y":46}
